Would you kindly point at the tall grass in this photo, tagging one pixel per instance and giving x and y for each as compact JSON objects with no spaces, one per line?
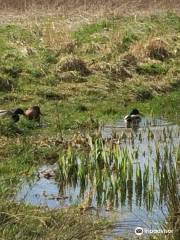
{"x":113,"y":174}
{"x":94,"y":4}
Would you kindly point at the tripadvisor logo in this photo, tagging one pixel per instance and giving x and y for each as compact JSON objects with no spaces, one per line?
{"x":139,"y":231}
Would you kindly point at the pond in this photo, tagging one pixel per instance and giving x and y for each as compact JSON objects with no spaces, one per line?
{"x":135,"y":197}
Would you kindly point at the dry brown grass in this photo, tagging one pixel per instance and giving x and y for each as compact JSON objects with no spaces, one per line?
{"x":55,"y":34}
{"x":158,"y":49}
{"x":81,"y":11}
{"x":71,"y":4}
{"x":73,"y":64}
{"x":93,"y":6}
{"x":153,"y":48}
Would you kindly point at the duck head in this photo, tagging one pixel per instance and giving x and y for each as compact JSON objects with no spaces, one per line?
{"x":134,"y":111}
{"x":33,"y":113}
{"x":134,"y":115}
{"x":37,"y":110}
{"x":18,"y":111}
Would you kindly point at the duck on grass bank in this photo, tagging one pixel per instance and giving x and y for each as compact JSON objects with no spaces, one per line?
{"x":32,"y":113}
{"x":133,"y":118}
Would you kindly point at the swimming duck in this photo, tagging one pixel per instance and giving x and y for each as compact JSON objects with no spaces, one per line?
{"x":33,"y":113}
{"x":13,"y":114}
{"x":133,"y":117}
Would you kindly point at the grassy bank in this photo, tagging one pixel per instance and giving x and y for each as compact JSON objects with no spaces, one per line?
{"x":73,"y":71}
{"x":24,"y":222}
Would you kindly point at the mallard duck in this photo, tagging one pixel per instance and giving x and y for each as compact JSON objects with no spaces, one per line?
{"x":33,"y":113}
{"x":133,"y":117}
{"x":13,"y":114}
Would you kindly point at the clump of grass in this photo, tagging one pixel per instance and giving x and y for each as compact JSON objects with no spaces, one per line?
{"x":13,"y":71}
{"x":54,"y":34}
{"x":143,"y":93}
{"x":8,"y":128}
{"x":109,"y":171}
{"x":73,"y":64}
{"x":87,"y":32}
{"x":82,"y":108}
{"x":91,"y":48}
{"x":69,"y":47}
{"x":120,"y":72}
{"x":36,"y":223}
{"x":51,"y":95}
{"x":170,"y":182}
{"x":129,"y":60}
{"x":5,"y":84}
{"x":50,"y":56}
{"x":152,"y":69}
{"x":114,"y":71}
{"x":36,"y":73}
{"x":110,"y":110}
{"x":158,"y":49}
{"x":128,"y":38}
{"x":70,"y":76}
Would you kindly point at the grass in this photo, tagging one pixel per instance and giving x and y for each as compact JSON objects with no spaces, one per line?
{"x":87,"y":33}
{"x":81,"y":77}
{"x":35,"y":54}
{"x":37,"y":224}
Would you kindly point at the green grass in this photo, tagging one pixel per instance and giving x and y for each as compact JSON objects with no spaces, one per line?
{"x":152,"y":69}
{"x":87,"y":33}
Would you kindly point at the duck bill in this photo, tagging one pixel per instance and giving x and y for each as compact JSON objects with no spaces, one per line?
{"x":141,"y":114}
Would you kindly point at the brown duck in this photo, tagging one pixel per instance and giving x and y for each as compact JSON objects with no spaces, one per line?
{"x":33,"y":113}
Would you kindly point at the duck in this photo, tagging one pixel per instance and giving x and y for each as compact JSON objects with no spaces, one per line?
{"x":33,"y":113}
{"x":13,"y":114}
{"x":134,"y":117}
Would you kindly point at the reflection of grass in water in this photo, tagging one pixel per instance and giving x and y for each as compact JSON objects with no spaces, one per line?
{"x":111,"y":173}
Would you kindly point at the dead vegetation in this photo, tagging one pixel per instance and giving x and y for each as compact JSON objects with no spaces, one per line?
{"x":72,"y":63}
{"x":129,"y":60}
{"x":86,"y":5}
{"x":158,"y":49}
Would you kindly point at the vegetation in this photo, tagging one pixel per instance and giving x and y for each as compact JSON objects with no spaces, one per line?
{"x":19,"y":222}
{"x":82,"y":75}
{"x":107,"y":61}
